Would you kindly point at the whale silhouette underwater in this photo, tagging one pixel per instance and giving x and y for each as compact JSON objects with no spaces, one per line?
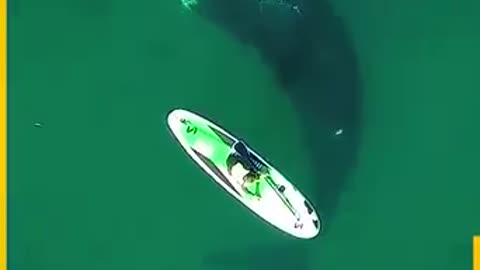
{"x":311,"y":55}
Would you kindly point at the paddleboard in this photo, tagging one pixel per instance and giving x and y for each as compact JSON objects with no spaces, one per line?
{"x":281,"y":203}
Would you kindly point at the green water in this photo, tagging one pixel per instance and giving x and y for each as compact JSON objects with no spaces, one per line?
{"x":103,"y":185}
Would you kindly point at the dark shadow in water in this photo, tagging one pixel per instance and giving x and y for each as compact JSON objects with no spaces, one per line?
{"x":313,"y":59}
{"x":260,"y":257}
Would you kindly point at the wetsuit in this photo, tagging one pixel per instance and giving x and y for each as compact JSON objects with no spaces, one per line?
{"x":249,"y":161}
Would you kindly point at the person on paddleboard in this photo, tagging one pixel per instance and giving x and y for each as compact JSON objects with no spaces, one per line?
{"x":252,"y":171}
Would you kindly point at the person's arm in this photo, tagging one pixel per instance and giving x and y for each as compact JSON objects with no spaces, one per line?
{"x":244,"y":187}
{"x":255,"y":194}
{"x":257,"y":189}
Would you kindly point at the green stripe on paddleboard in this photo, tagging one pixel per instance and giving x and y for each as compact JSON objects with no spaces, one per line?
{"x":196,"y":133}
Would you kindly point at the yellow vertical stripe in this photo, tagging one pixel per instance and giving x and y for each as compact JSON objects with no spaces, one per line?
{"x":476,"y":253}
{"x":3,"y":134}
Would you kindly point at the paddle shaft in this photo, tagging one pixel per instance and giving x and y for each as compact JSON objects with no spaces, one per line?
{"x":282,"y":197}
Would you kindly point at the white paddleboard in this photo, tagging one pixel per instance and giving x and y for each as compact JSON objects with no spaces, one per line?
{"x":209,"y":145}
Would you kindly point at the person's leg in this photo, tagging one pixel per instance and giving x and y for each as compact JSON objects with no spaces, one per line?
{"x":259,"y":165}
{"x":230,"y":162}
{"x":244,"y":155}
{"x":241,"y":148}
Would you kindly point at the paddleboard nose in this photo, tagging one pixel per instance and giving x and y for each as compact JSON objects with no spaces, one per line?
{"x":176,"y":117}
{"x":175,"y":114}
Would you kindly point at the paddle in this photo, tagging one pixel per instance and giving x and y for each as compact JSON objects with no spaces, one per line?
{"x":287,"y":203}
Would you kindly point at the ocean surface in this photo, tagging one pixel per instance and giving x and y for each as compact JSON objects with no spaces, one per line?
{"x":96,"y":181}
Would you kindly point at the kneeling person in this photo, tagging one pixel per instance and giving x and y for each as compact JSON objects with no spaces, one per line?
{"x":244,"y":166}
